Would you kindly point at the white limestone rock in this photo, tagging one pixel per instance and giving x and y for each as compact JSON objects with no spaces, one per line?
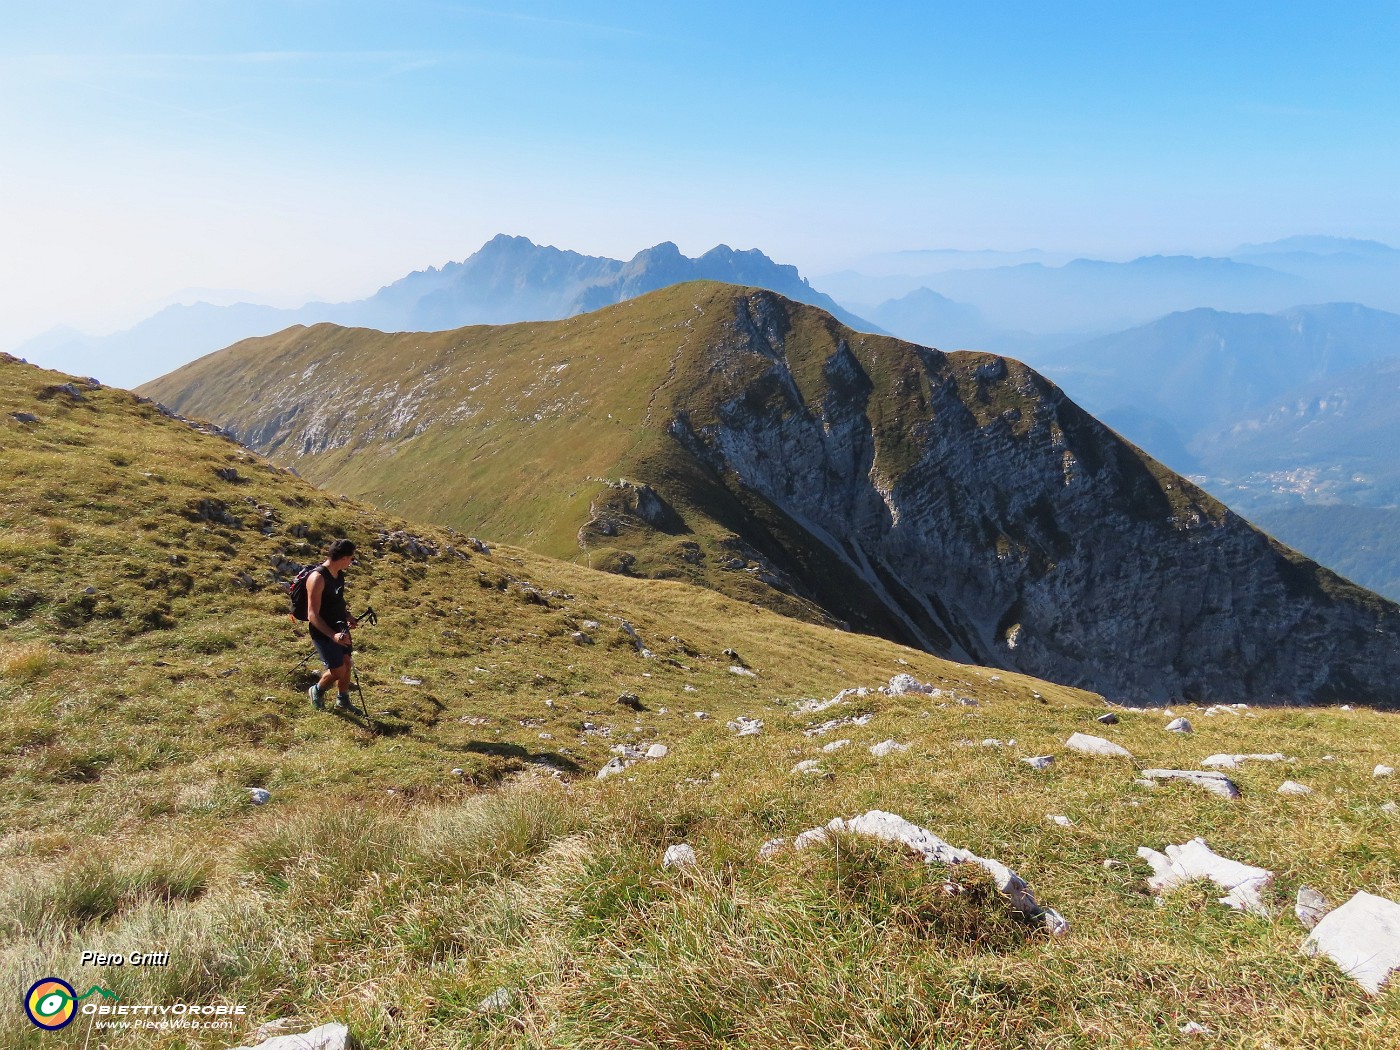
{"x":1292,"y":787}
{"x":1227,"y":709}
{"x":746,"y":726}
{"x":500,"y":999}
{"x":333,"y":1036}
{"x":1362,"y":937}
{"x":810,"y":765}
{"x":657,"y":751}
{"x":1040,"y":761}
{"x":1096,"y":745}
{"x":678,"y":856}
{"x":1383,"y":771}
{"x":259,"y":796}
{"x":614,"y":767}
{"x":835,"y":745}
{"x":1310,"y":907}
{"x":811,"y":707}
{"x":1235,"y":761}
{"x":1064,"y":822}
{"x":1195,"y":860}
{"x":1218,"y":783}
{"x":837,"y":723}
{"x":890,"y":827}
{"x":1178,"y":725}
{"x":887,"y":747}
{"x":903,"y":684}
{"x":276,"y":1026}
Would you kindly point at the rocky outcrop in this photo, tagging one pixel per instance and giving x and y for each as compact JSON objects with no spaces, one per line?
{"x":1244,"y":883}
{"x":1362,"y":937}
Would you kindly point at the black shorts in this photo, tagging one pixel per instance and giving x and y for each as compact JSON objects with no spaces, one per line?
{"x":333,"y":654}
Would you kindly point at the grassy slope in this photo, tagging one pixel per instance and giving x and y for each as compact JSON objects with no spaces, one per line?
{"x":380,"y":889}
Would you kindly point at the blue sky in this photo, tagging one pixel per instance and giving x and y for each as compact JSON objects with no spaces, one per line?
{"x":308,"y":148}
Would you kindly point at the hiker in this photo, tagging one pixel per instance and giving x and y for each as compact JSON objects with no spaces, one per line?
{"x":331,"y":623}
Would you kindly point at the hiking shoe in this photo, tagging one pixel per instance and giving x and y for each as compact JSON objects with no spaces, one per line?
{"x":314,"y":693}
{"x":342,"y":702}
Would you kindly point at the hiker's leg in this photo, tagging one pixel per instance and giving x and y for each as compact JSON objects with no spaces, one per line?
{"x":341,"y":676}
{"x":333,"y":657}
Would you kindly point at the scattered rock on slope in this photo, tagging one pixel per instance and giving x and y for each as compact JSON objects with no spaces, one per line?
{"x":1235,"y":761}
{"x":890,"y":827}
{"x":1196,"y":860}
{"x":1218,"y":783}
{"x":679,"y":856}
{"x":1362,"y":937}
{"x":1310,"y":906}
{"x":1096,"y":745}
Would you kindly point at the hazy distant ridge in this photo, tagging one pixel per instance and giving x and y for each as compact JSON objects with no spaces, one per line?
{"x":509,"y":279}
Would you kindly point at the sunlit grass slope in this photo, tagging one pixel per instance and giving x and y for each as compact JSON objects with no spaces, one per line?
{"x":457,"y":841}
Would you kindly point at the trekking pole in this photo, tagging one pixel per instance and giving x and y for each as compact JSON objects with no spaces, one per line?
{"x":372,"y":618}
{"x":364,"y":708}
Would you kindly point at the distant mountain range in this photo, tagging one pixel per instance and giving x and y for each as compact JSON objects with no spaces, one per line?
{"x":1025,"y":306}
{"x":1274,"y":413}
{"x":1206,"y":370}
{"x":509,"y":279}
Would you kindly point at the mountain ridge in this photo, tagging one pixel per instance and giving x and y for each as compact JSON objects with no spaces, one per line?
{"x":730,"y":437}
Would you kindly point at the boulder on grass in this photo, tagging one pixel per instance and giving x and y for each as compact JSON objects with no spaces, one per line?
{"x":890,"y":827}
{"x":1196,"y":860}
{"x":1362,"y":937}
{"x":1096,"y":745}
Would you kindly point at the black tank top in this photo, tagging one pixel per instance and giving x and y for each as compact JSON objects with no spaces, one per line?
{"x":332,"y":599}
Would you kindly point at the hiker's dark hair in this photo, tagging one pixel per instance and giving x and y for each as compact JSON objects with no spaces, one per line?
{"x":341,"y":549}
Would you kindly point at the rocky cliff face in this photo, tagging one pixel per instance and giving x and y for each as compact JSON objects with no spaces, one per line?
{"x":1002,"y":524}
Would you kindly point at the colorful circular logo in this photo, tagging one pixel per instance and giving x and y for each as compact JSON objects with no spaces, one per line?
{"x":51,"y":1003}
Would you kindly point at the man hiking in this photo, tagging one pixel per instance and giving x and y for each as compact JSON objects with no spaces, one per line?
{"x":331,"y":622}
